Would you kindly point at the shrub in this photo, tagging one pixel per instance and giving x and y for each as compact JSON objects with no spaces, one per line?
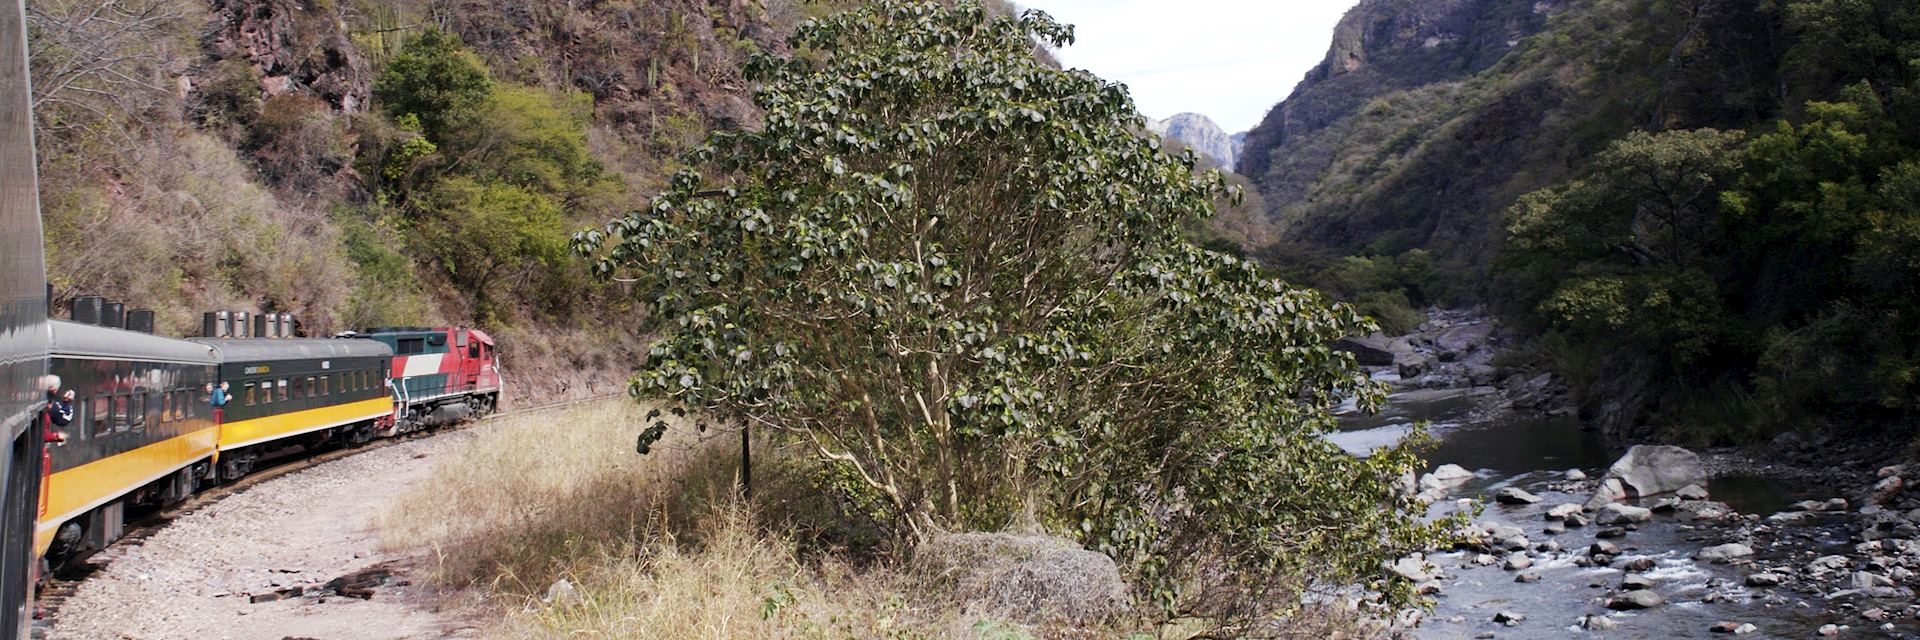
{"x":958,"y":276}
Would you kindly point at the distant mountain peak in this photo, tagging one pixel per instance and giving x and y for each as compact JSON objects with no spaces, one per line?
{"x":1201,"y":134}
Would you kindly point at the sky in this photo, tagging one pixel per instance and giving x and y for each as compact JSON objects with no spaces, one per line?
{"x":1231,"y":60}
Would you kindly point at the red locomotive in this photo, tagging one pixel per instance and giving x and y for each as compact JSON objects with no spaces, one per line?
{"x":440,"y":375}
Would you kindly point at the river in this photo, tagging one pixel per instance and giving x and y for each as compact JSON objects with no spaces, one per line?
{"x":1534,"y":453}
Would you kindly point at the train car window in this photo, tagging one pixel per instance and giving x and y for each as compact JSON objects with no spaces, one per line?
{"x":182,"y":400}
{"x":283,"y":390}
{"x":137,"y":412}
{"x":249,"y":394}
{"x":156,"y":409}
{"x":326,"y":385}
{"x":120,"y":416}
{"x":166,"y":408}
{"x":100,"y":420}
{"x":312,"y":388}
{"x":410,"y":346}
{"x":473,"y":350}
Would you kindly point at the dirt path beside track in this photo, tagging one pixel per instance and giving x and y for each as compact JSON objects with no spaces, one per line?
{"x":216,"y":573}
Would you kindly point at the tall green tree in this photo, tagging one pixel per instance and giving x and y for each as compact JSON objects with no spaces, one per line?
{"x":438,"y":81}
{"x":958,"y":277}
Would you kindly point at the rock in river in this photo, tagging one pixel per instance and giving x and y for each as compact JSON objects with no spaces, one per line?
{"x":1369,"y":351}
{"x":1560,"y":512}
{"x":1640,"y":599}
{"x":1725,"y":553}
{"x":1514,"y":495}
{"x":1452,"y":474}
{"x":1615,"y":513}
{"x":1650,"y":470}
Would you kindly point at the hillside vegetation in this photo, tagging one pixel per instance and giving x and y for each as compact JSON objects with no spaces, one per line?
{"x":1699,"y":207}
{"x":363,"y":163}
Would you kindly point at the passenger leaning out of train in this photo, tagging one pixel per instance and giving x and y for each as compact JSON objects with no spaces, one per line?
{"x":59,"y":414}
{"x":218,"y":398}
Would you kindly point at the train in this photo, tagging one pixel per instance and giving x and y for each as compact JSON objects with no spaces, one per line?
{"x":24,"y":333}
{"x":147,"y":430}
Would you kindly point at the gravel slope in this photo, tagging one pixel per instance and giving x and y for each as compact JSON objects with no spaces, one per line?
{"x":195,"y":578}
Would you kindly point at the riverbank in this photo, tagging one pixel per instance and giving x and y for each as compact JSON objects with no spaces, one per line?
{"x":1549,"y":561}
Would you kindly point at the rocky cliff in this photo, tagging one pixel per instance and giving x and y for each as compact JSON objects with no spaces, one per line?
{"x":1391,"y":79}
{"x":1427,"y":120}
{"x":1201,"y":134}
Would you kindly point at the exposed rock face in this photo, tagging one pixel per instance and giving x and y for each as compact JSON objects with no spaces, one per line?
{"x":1201,"y":134}
{"x":292,"y":47}
{"x":1381,"y":48}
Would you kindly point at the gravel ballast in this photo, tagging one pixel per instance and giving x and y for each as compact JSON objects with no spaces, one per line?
{"x":200,"y":576}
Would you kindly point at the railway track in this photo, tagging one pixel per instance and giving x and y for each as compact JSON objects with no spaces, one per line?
{"x":57,"y":588}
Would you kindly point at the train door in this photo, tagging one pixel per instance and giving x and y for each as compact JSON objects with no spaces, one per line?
{"x":467,"y":352}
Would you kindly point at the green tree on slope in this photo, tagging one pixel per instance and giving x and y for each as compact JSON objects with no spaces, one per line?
{"x":958,"y":277}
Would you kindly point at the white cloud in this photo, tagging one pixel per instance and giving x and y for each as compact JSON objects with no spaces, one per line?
{"x":1229,"y":59}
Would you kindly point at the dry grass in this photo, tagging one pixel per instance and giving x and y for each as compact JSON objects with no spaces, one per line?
{"x":658,"y":545}
{"x":537,"y":496}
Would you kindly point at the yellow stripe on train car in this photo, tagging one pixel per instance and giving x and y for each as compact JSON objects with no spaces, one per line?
{"x":244,"y":433}
{"x":74,"y":492}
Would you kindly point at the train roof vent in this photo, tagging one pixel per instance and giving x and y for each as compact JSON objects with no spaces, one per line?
{"x":88,"y":309}
{"x":140,"y":320}
{"x":216,"y":324}
{"x":115,"y":316}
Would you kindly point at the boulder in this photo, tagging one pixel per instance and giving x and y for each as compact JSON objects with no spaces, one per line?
{"x":1462,"y":340}
{"x":1369,"y":351}
{"x":1414,"y":568}
{"x":1602,"y":547}
{"x":1640,"y":599}
{"x":1451,"y":474}
{"x":1518,"y":562}
{"x":1616,"y":513}
{"x":1515,"y":496}
{"x":1867,"y":580}
{"x":1509,"y":618}
{"x":1636,"y":582}
{"x":1609,"y":491}
{"x":1651,"y":470}
{"x":1554,"y":528}
{"x":1035,"y":578}
{"x":1598,"y":623}
{"x":1560,"y":512}
{"x":1576,"y":475}
{"x":1791,"y":518}
{"x":1637,"y":563}
{"x":1725,"y":553}
{"x":1691,"y":492}
{"x":1765,"y":579}
{"x":1528,"y":577}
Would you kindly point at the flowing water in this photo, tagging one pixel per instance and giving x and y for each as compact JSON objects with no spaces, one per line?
{"x":1534,"y":454}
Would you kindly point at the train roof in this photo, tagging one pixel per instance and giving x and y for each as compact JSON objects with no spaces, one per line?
{"x":73,"y":339}
{"x":267,"y":349}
